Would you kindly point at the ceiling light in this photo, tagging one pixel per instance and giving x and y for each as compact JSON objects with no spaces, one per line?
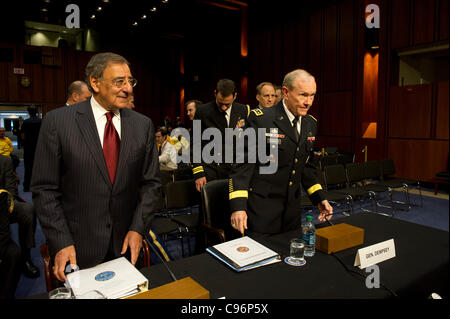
{"x":144,"y":17}
{"x":93,"y":16}
{"x":153,"y":9}
{"x":99,"y":9}
{"x":135,"y":24}
{"x":44,"y":10}
{"x":165,"y":1}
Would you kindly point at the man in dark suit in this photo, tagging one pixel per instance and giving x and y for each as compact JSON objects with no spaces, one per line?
{"x":96,"y":172}
{"x":224,"y":112}
{"x":270,"y":203}
{"x":30,"y":134}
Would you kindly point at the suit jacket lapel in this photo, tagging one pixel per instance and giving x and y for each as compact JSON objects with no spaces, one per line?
{"x":282,"y":121}
{"x":86,"y":123}
{"x":126,"y":139}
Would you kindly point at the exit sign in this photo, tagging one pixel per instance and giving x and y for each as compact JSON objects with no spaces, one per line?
{"x":19,"y":71}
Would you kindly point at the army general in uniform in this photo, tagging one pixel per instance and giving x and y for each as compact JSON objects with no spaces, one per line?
{"x":270,"y":203}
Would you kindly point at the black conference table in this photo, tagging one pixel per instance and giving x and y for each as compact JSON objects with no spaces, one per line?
{"x":419,"y":268}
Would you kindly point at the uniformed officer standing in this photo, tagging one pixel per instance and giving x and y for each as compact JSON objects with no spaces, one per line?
{"x":224,"y":112}
{"x":270,"y":203}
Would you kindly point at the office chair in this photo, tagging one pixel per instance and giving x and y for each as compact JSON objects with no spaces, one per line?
{"x":215,"y":210}
{"x":181,"y":204}
{"x":387,"y":170}
{"x":337,"y":181}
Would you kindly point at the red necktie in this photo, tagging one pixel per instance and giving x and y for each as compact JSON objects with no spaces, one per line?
{"x":111,"y":146}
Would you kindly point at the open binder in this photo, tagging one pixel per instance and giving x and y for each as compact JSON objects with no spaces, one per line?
{"x":243,"y":254}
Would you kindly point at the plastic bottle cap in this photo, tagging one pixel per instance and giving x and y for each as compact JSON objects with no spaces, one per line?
{"x":309,"y":218}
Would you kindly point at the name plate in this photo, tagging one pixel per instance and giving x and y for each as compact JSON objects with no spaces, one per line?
{"x":375,"y":254}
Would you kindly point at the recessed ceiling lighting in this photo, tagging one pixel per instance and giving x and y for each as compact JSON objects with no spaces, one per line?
{"x":135,"y":24}
{"x":99,"y":9}
{"x":153,"y":9}
{"x":44,"y":10}
{"x":93,"y":16}
{"x":143,"y":17}
{"x":165,"y":1}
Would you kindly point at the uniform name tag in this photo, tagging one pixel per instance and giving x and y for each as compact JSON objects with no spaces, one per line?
{"x":375,"y":254}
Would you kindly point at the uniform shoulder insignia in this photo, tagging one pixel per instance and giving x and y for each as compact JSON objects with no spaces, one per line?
{"x":248,"y":110}
{"x":258,"y":112}
{"x":312,"y":117}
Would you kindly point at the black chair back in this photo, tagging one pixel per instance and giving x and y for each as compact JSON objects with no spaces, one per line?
{"x":181,"y":194}
{"x":215,"y":205}
{"x":355,"y":172}
{"x":387,"y":167}
{"x":372,"y":170}
{"x":335,"y":175}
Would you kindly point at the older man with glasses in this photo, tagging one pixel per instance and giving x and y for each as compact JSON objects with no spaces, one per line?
{"x":96,"y":172}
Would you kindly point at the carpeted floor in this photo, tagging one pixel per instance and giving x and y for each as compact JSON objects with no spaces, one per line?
{"x":434,"y":213}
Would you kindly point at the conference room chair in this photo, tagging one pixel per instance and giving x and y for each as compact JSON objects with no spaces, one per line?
{"x":180,"y":212}
{"x":50,"y":280}
{"x":387,"y":178}
{"x":215,"y":211}
{"x":337,"y":199}
{"x":358,"y":176}
{"x":337,"y":181}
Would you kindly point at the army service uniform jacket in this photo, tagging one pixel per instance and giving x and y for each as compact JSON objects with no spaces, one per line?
{"x":272,"y":201}
{"x":212,"y":117}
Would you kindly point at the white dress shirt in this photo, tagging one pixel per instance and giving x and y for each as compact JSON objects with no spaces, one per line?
{"x":228,"y":115}
{"x":291,"y":117}
{"x":100,"y":119}
{"x":168,"y":157}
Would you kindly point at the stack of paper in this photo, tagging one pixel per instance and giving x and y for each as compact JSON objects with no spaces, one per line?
{"x":243,"y":254}
{"x":114,"y":279}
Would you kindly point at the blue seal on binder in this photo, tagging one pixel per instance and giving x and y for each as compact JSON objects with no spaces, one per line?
{"x":104,"y":276}
{"x":293,"y":262}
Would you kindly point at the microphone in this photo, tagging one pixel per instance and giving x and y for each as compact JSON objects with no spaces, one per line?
{"x":159,"y":255}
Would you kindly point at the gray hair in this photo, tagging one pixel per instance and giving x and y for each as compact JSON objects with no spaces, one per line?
{"x":290,"y":78}
{"x":98,"y":64}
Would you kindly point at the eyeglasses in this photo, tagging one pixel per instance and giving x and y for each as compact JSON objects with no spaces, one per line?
{"x":121,"y":82}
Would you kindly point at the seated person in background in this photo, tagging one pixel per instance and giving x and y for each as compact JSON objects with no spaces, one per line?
{"x":167,"y":152}
{"x":6,"y":146}
{"x":25,"y":216}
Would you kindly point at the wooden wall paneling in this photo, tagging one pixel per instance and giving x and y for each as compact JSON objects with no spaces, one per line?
{"x":343,"y":143}
{"x":443,"y":19}
{"x":442,"y":114}
{"x":4,"y":80}
{"x":279,"y":48}
{"x":330,"y":49}
{"x":336,"y":114}
{"x":424,"y":21}
{"x":410,"y":111}
{"x":315,"y":48}
{"x":418,"y":159}
{"x":400,"y":22}
{"x":346,"y":46}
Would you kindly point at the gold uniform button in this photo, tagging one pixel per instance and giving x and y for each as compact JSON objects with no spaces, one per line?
{"x":290,"y":183}
{"x":251,"y":189}
{"x":293,"y":172}
{"x":296,"y":160}
{"x":298,"y":149}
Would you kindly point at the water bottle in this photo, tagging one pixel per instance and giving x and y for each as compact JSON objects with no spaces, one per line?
{"x":309,"y":237}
